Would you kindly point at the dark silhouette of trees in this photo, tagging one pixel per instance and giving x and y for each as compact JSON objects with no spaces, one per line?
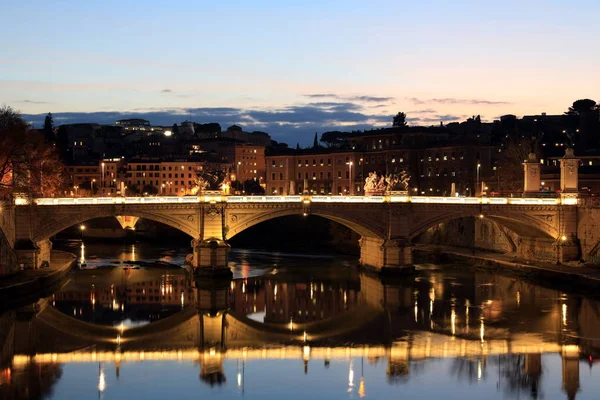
{"x":581,"y":106}
{"x":49,"y":129}
{"x":334,"y":139}
{"x":399,"y":120}
{"x":510,"y":165}
{"x":315,"y":142}
{"x":150,"y":189}
{"x":132,"y":190}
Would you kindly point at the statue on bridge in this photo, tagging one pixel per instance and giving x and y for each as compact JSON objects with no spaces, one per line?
{"x":376,"y":184}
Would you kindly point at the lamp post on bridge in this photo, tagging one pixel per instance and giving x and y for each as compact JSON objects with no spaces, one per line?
{"x":350,"y":191}
{"x":92,"y":186}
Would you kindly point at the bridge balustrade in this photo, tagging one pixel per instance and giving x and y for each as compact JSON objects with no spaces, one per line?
{"x":298,"y":199}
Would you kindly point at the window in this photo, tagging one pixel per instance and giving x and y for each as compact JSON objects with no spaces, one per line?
{"x":299,"y":175}
{"x":314,"y":175}
{"x":329,"y":161}
{"x":339,"y":174}
{"x":281,"y":176}
{"x":328,"y":174}
{"x":321,"y":175}
{"x":273,"y":176}
{"x":273,"y":163}
{"x":314,"y":162}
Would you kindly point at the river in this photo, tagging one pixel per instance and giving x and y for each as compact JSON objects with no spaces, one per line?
{"x":295,"y":326}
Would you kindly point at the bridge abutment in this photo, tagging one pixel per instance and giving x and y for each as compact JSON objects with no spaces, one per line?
{"x":33,"y":254}
{"x":386,"y":255}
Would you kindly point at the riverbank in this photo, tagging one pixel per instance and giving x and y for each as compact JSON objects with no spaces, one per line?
{"x":27,"y":285}
{"x":584,"y":276}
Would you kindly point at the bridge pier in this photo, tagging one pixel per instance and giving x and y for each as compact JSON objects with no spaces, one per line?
{"x":210,"y":258}
{"x":386,"y":255}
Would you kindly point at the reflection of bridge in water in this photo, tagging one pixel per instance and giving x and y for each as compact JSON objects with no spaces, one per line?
{"x":399,"y":322}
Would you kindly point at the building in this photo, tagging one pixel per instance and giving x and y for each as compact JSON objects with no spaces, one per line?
{"x":434,"y":171}
{"x":318,"y":172}
{"x":84,"y":178}
{"x":134,"y":124}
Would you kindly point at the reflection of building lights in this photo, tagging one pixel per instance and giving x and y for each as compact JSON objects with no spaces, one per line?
{"x":291,"y":325}
{"x":467,"y":304}
{"x":482,"y":331}
{"x":416,"y":312}
{"x":350,"y":377}
{"x":361,"y":388}
{"x":306,"y":353}
{"x":182,"y":299}
{"x":118,"y":339}
{"x":122,"y":327}
{"x":479,"y":370}
{"x":239,"y":379}
{"x":564,"y":314}
{"x":275,"y":291}
{"x":305,"y":337}
{"x":453,"y":321}
{"x":101,"y":378}
{"x":518,"y":298}
{"x":243,"y":287}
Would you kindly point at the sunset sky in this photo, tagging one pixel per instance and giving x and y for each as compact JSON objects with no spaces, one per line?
{"x":293,"y":68}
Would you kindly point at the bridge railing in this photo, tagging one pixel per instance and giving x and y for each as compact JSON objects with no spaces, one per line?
{"x":298,"y":199}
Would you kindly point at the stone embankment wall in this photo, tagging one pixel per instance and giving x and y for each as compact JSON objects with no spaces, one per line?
{"x":8,"y":260}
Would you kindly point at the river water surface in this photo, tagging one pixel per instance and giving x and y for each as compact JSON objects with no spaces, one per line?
{"x":295,"y":326}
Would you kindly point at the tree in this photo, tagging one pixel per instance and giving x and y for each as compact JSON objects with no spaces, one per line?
{"x":175,"y":130}
{"x":150,"y":189}
{"x":28,"y":164}
{"x":334,"y":139}
{"x":510,"y":166}
{"x":315,"y":142}
{"x":399,"y":120}
{"x":582,"y":106}
{"x":132,"y":190}
{"x":49,"y":129}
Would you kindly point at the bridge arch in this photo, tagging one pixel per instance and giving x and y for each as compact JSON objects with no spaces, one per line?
{"x":238,"y":223}
{"x":53,"y":226}
{"x":522,"y":224}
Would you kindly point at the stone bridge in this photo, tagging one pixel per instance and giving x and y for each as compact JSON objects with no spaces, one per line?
{"x":387,"y":225}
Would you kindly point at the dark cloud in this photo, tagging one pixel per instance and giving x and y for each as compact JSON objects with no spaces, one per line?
{"x":363,"y":99}
{"x":32,"y":102}
{"x":166,"y":91}
{"x":321,"y":95}
{"x":371,"y":99}
{"x":425,"y":111}
{"x":452,"y":100}
{"x":435,"y":119}
{"x":288,"y":124}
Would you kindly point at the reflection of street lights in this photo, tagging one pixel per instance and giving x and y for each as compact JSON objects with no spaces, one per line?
{"x":350,"y":191}
{"x":162,"y":189}
{"x":82,"y":228}
{"x":76,"y":187}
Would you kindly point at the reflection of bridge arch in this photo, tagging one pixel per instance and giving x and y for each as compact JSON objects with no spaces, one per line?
{"x":188,"y":328}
